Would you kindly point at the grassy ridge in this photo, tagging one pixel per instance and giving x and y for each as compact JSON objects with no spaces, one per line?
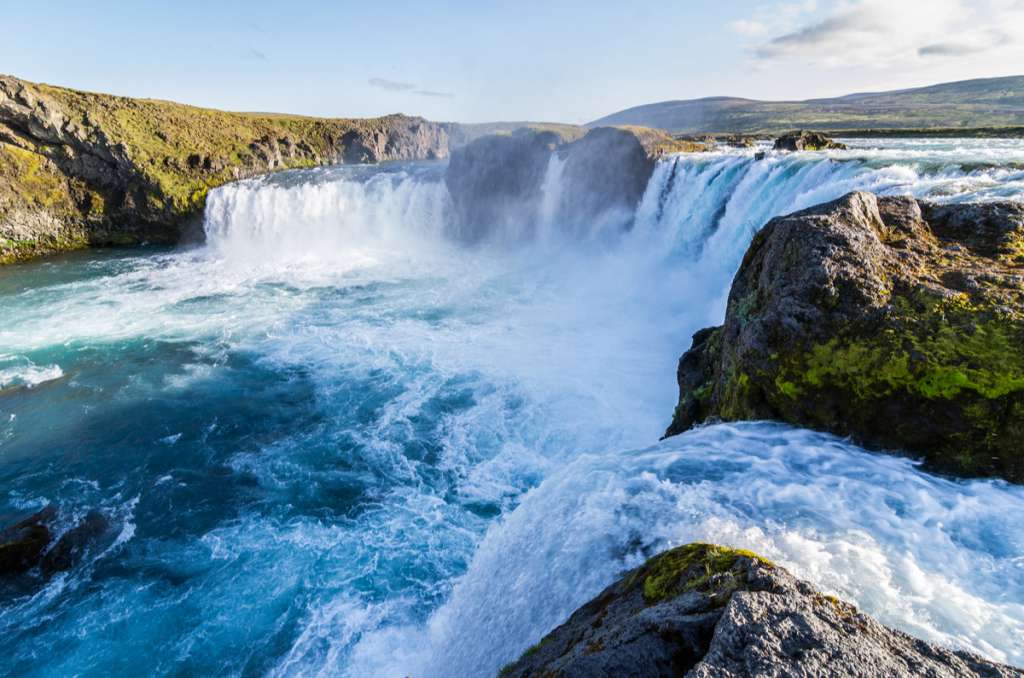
{"x":982,"y":103}
{"x":79,"y":168}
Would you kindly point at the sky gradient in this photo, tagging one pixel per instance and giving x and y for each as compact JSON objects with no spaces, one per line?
{"x":556,"y":61}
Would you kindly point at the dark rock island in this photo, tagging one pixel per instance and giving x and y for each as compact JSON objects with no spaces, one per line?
{"x":802,"y":140}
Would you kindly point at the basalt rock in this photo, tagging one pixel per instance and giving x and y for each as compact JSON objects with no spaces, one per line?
{"x":496,"y":182}
{"x":897,"y":323}
{"x":806,"y":141}
{"x":27,"y":544}
{"x":705,"y":611}
{"x":22,"y":544}
{"x":80,"y":169}
{"x":72,"y":545}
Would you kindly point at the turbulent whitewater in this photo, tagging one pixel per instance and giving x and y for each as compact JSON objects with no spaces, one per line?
{"x":337,"y":439}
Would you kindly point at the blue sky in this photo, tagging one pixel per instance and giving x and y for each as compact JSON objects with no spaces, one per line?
{"x":469,"y":61}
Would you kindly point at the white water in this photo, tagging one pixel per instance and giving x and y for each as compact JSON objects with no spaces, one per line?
{"x":525,"y":379}
{"x":904,"y":546}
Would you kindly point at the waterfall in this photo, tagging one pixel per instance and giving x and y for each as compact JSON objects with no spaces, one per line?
{"x":696,"y":206}
{"x":350,"y":436}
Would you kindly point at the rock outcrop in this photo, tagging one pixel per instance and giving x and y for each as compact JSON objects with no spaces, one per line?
{"x":26,"y":545}
{"x":898,"y":323}
{"x":802,"y":140}
{"x":78,"y":168}
{"x":702,"y":610}
{"x":496,"y":181}
{"x":22,"y":544}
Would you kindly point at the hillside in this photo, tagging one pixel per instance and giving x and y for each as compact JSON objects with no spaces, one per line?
{"x":988,"y":102}
{"x":80,"y":169}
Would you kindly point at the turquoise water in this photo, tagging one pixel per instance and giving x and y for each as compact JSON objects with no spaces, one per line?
{"x":335,"y":441}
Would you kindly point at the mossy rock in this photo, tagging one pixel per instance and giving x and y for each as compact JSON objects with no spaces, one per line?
{"x":710,"y":610}
{"x":693,"y":567}
{"x":896,"y":323}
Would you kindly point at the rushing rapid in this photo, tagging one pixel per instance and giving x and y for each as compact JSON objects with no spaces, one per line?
{"x":338,"y":440}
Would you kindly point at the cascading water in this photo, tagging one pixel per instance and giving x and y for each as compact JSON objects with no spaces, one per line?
{"x":338,"y":441}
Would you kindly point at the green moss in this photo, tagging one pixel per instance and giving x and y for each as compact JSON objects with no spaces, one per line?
{"x":734,"y":401}
{"x":985,"y":357}
{"x":689,"y":568}
{"x":32,"y":177}
{"x":787,"y":388}
{"x":530,"y":651}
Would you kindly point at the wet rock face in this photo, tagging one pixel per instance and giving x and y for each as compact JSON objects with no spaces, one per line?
{"x":605,"y":175}
{"x":806,"y":141}
{"x":702,"y":610}
{"x":496,"y":181}
{"x":70,"y":548}
{"x":896,"y":323}
{"x":22,"y":544}
{"x":27,"y":544}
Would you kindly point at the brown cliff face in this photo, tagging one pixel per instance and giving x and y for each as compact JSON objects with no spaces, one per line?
{"x":78,"y":168}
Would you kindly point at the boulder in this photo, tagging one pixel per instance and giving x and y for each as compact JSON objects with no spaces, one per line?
{"x":22,"y":544}
{"x":605,"y":175}
{"x":806,"y":141}
{"x":703,"y":610}
{"x":897,"y":323}
{"x":495,"y":181}
{"x":70,"y":548}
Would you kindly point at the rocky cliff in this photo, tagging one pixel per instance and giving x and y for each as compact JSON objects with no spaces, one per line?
{"x":898,"y":323}
{"x":78,"y":168}
{"x":702,"y":610}
{"x":496,"y":181}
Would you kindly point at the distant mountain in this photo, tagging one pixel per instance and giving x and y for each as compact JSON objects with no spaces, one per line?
{"x":986,"y":102}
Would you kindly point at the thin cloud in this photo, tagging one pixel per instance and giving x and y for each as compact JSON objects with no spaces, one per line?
{"x":431,"y":93}
{"x":885,"y":33}
{"x":949,"y":49}
{"x":831,"y":30}
{"x":254,"y":53}
{"x":391,"y":85}
{"x":982,"y":43}
{"x":748,"y":27}
{"x":767,"y":19}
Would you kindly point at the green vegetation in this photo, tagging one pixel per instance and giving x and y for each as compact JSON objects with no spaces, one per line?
{"x":183,"y":151}
{"x":969,"y":105}
{"x":692,"y":567}
{"x":78,"y":168}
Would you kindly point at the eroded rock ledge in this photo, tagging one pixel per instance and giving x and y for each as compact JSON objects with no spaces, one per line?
{"x":702,"y":610}
{"x":898,"y":323}
{"x":78,"y":168}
